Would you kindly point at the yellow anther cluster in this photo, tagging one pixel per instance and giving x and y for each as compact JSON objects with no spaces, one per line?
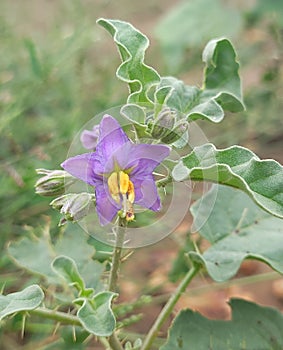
{"x":121,"y":188}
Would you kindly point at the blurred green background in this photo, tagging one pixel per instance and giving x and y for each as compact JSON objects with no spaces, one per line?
{"x":57,"y":70}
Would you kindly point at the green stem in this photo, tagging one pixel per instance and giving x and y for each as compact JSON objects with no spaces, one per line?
{"x":116,"y":258}
{"x":58,"y":316}
{"x":114,"y":273}
{"x":166,"y":311}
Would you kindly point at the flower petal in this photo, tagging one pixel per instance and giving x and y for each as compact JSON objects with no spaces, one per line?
{"x":105,"y":206}
{"x":146,"y":193}
{"x":144,"y":158}
{"x":81,"y":166}
{"x":111,"y":137}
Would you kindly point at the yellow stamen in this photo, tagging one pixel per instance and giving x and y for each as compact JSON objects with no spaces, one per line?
{"x":123,"y":182}
{"x":131,"y":192}
{"x":121,"y":188}
{"x":114,"y":187}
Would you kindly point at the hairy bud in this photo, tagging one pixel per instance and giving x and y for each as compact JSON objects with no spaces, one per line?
{"x":163,"y":124}
{"x":74,"y":206}
{"x":53,"y":183}
{"x":179,"y":129}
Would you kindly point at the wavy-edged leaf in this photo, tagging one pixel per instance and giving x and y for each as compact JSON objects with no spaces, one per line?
{"x":252,"y":327}
{"x":237,"y":167}
{"x":132,"y":45}
{"x":237,"y":229}
{"x":97,"y":316}
{"x":28,"y":299}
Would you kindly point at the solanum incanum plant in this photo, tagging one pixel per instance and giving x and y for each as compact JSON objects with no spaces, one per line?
{"x":131,"y":160}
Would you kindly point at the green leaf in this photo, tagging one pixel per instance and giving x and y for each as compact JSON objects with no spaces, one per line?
{"x":25,"y":300}
{"x":237,"y":229}
{"x":221,"y":74}
{"x":134,"y":113}
{"x":66,"y":268}
{"x":72,"y":244}
{"x":97,"y":316}
{"x":189,"y":101}
{"x":132,"y":45}
{"x":186,"y":26}
{"x":39,"y":261}
{"x":221,"y":89}
{"x":237,"y":167}
{"x":252,"y":327}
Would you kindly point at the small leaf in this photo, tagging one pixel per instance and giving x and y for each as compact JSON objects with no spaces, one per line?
{"x":132,"y":45}
{"x":66,"y":268}
{"x":221,"y":87}
{"x":237,"y":167}
{"x":188,"y":100}
{"x":134,"y":113}
{"x":252,"y":327}
{"x":27,"y":299}
{"x":238,"y":229}
{"x":97,"y":316}
{"x":221,"y":74}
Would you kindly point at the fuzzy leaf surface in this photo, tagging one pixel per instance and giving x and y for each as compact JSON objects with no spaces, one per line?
{"x":251,"y":327}
{"x":221,"y":89}
{"x":25,"y":300}
{"x":236,"y":167}
{"x":97,"y":316}
{"x":72,"y":244}
{"x":237,"y":229}
{"x":132,"y":44}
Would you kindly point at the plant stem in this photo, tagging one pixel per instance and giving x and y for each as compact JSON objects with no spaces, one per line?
{"x":114,"y":273}
{"x":116,"y":259}
{"x":166,"y":311}
{"x":58,"y":316}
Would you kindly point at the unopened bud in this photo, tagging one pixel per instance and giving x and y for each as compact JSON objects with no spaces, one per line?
{"x":164,"y":124}
{"x":176,"y":133}
{"x":53,"y":183}
{"x":74,"y":206}
{"x":89,"y":138}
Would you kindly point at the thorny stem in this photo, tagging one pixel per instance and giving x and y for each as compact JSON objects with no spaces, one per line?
{"x":61,"y":317}
{"x":116,"y":259}
{"x":114,"y":273}
{"x":166,"y":311}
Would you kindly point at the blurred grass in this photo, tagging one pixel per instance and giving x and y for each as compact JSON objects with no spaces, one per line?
{"x":57,"y":70}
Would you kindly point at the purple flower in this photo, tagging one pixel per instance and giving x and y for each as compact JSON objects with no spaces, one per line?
{"x":120,"y":170}
{"x":89,"y":138}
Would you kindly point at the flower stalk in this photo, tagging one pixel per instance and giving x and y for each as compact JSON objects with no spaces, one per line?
{"x":114,"y":272}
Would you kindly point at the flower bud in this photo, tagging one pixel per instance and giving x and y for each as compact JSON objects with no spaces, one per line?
{"x":74,"y":206}
{"x":164,"y":124}
{"x":176,"y":133}
{"x":53,"y":183}
{"x":89,"y":138}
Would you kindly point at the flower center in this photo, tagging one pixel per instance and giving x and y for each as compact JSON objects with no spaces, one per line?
{"x":122,"y":191}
